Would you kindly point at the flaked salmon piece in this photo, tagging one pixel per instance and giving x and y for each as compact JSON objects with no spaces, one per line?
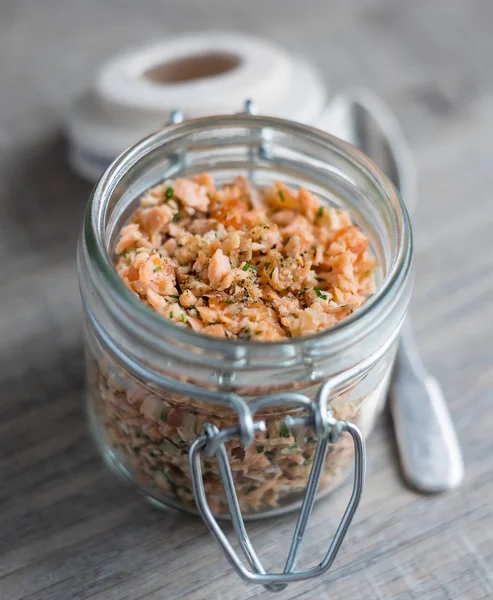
{"x":129,"y":236}
{"x":188,"y":299}
{"x":219,"y":267}
{"x":310,"y":205}
{"x":204,"y":179}
{"x":192,"y":194}
{"x":153,"y":219}
{"x":217,"y":330}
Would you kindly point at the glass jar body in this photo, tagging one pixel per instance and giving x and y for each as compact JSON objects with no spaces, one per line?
{"x":145,"y":433}
{"x":152,"y":385}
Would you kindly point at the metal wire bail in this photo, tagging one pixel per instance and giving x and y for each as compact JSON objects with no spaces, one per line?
{"x":328,"y":429}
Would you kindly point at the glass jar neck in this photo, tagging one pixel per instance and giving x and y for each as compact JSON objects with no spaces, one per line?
{"x":264,"y":149}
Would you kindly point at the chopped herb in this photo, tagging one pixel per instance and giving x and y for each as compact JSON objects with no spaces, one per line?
{"x":303,"y":292}
{"x":125,"y":254}
{"x":180,"y":245}
{"x":168,"y":194}
{"x":136,"y":450}
{"x":182,"y":319}
{"x":292,"y":446}
{"x":245,"y":267}
{"x":260,"y":449}
{"x":250,"y":489}
{"x":156,"y":269}
{"x":307,"y":461}
{"x":344,"y":305}
{"x":320,"y":294}
{"x":284,"y":431}
{"x":293,"y":464}
{"x":310,"y":440}
{"x":172,"y":482}
{"x":320,"y":211}
{"x":246,"y":330}
{"x":272,"y":272}
{"x":287,"y":240}
{"x":171,"y":314}
{"x":266,"y":265}
{"x":174,"y":296}
{"x":176,"y":218}
{"x":281,"y":195}
{"x":228,"y":301}
{"x":259,"y":332}
{"x":164,"y":416}
{"x":156,"y":468}
{"x":163,"y":446}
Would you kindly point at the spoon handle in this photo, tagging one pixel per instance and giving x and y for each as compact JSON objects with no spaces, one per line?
{"x":430,"y":454}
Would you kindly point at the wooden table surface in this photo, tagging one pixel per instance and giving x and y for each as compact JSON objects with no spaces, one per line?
{"x":69,"y":529}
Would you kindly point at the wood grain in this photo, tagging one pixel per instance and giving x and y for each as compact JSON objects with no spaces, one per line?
{"x":69,"y":530}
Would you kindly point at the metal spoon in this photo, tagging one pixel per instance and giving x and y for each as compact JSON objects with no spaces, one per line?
{"x":429,"y":452}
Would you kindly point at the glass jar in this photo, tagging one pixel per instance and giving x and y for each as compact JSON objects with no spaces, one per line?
{"x":153,"y":385}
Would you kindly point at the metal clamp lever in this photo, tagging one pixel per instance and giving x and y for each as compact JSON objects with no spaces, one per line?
{"x":211,"y":443}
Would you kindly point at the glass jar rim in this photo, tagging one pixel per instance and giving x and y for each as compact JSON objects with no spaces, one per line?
{"x":159,"y":327}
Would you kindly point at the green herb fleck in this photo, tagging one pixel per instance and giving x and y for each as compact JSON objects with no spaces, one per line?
{"x":168,"y":194}
{"x":182,"y":319}
{"x":287,"y":240}
{"x":260,"y":449}
{"x":164,"y":416}
{"x":303,"y":292}
{"x":171,"y":314}
{"x":266,"y":265}
{"x":136,"y":450}
{"x":125,"y":254}
{"x":292,"y":446}
{"x":293,"y":464}
{"x":174,"y":296}
{"x":172,"y":482}
{"x":272,"y":272}
{"x":228,"y":301}
{"x":156,"y":269}
{"x":176,"y":218}
{"x":259,"y":332}
{"x":281,"y":195}
{"x":284,"y":431}
{"x":250,"y":489}
{"x":245,"y":267}
{"x":320,"y":211}
{"x":320,"y":294}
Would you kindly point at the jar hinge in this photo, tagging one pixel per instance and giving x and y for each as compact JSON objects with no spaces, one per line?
{"x":328,"y":429}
